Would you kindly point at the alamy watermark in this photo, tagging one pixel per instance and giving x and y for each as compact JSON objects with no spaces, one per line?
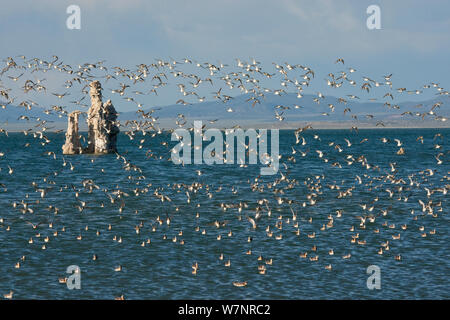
{"x":235,"y":140}
{"x":374,"y":20}
{"x":74,"y":20}
{"x":374,"y":280}
{"x":74,"y":280}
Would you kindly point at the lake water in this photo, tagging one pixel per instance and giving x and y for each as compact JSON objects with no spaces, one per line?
{"x":162,"y":269}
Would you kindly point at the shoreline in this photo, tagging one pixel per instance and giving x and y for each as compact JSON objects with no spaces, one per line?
{"x":62,"y":131}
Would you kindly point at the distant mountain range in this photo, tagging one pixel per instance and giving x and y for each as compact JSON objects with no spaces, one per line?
{"x":308,"y":109}
{"x":243,"y":111}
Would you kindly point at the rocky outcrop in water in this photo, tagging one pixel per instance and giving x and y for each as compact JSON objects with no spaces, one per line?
{"x":102,"y":124}
{"x":72,"y":145}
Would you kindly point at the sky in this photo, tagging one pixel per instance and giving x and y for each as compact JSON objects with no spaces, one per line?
{"x":413,"y":43}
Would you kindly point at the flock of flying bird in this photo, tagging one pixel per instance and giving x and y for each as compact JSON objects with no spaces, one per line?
{"x":204,"y":81}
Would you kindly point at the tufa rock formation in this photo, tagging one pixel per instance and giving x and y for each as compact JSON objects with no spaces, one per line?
{"x":103,"y":130}
{"x":102,"y":126}
{"x":72,"y":145}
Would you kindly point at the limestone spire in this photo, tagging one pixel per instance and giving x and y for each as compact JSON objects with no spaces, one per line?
{"x":102,"y":124}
